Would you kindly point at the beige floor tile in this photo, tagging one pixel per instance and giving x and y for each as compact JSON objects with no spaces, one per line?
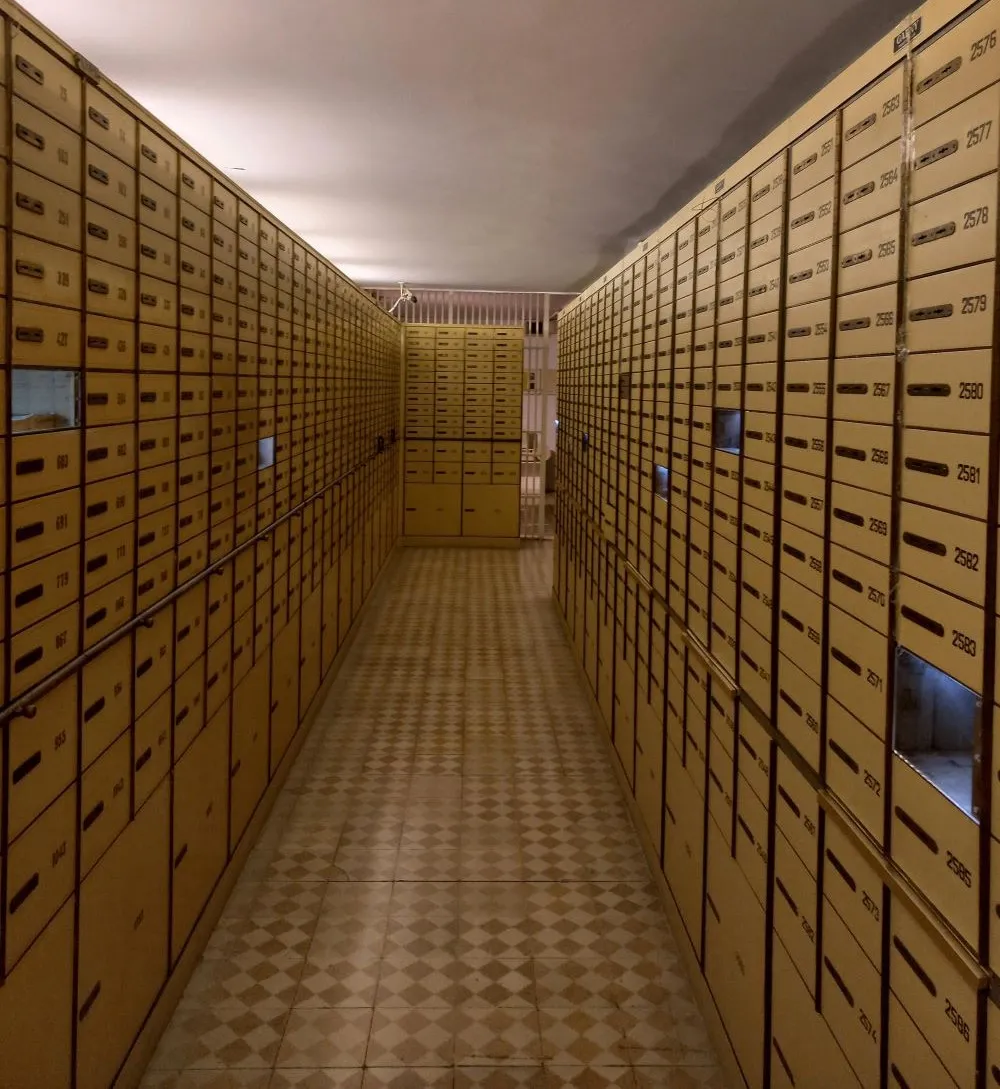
{"x":363,"y":864}
{"x":325,"y":1038}
{"x":346,"y":1078}
{"x":589,"y":982}
{"x":504,"y":1036}
{"x":417,"y":982}
{"x":208,"y":1079}
{"x":666,"y":1034}
{"x":421,"y":936}
{"x":296,"y":863}
{"x":407,"y":1037}
{"x":450,"y":893}
{"x":433,"y":900}
{"x":428,"y":864}
{"x":229,"y":1037}
{"x":498,"y":938}
{"x":679,"y":1077}
{"x":483,"y":981}
{"x":392,"y":1077}
{"x":430,"y":835}
{"x":368,"y":897}
{"x":249,"y":980}
{"x":586,"y":1077}
{"x":498,"y":1077}
{"x":293,"y":901}
{"x":581,"y":1036}
{"x":353,"y":985}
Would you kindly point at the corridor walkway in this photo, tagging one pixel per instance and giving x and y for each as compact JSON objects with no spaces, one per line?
{"x":450,"y":891}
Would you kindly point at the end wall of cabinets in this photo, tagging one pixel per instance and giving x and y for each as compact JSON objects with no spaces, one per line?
{"x":463,"y":402}
{"x":777,"y":562}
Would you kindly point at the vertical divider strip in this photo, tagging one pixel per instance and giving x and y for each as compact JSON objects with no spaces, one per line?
{"x":775,"y":627}
{"x":81,"y":422}
{"x":706,"y":785}
{"x":8,"y":529}
{"x":716,"y":206}
{"x":615,"y":467}
{"x":135,"y":440}
{"x":738,"y":611}
{"x":692,"y":224}
{"x":668,"y":373}
{"x":178,"y":356}
{"x":898,"y":424}
{"x":647,"y":468}
{"x":985,"y":742}
{"x":825,"y":544}
{"x":779,"y":409}
{"x":632,"y":461}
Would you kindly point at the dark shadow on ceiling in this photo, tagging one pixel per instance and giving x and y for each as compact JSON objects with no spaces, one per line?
{"x":838,"y":46}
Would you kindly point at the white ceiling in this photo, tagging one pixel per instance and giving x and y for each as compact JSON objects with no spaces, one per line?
{"x":471,"y":143}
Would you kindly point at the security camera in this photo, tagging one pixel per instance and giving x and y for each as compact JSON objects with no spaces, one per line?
{"x":405,"y":296}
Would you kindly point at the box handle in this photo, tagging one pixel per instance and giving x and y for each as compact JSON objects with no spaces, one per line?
{"x":29,"y":136}
{"x":99,"y":118}
{"x":88,"y":1003}
{"x":917,"y":829}
{"x":95,"y":618}
{"x":26,"y":597}
{"x":93,"y":816}
{"x":932,"y":313}
{"x":26,"y":767}
{"x":849,"y":760}
{"x":942,"y":73}
{"x":914,"y":965}
{"x":936,"y":154}
{"x":841,"y":868}
{"x":32,"y":269}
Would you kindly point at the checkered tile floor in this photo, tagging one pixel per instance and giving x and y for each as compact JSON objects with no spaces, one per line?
{"x":449,"y":892}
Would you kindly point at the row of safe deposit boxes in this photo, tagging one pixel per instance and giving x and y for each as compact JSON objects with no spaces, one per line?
{"x":199,"y":427}
{"x":462,"y":410}
{"x":777,"y":555}
{"x":178,"y":729}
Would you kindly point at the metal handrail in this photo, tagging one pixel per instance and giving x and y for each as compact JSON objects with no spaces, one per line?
{"x":929,"y":916}
{"x":24,"y":705}
{"x":714,"y":666}
{"x":939,"y":929}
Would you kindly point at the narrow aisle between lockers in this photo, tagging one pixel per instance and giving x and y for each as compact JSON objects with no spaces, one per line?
{"x":450,"y":890}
